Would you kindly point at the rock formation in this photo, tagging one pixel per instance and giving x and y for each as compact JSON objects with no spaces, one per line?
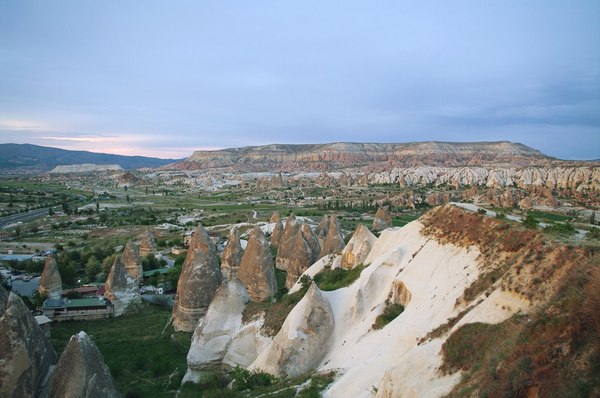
{"x":232,"y":255}
{"x":277,"y":233}
{"x":133,"y":262}
{"x":200,"y":278}
{"x":81,"y":372}
{"x":334,"y":241}
{"x":26,"y":355}
{"x":312,"y":240}
{"x":275,"y":217}
{"x":148,"y":246}
{"x":437,"y":198}
{"x":257,"y":271}
{"x":304,"y":338}
{"x":358,"y":248}
{"x":121,"y":289}
{"x":50,"y":281}
{"x":321,"y":229}
{"x":382,"y":219}
{"x":286,"y":247}
{"x":215,"y":331}
{"x":299,"y":260}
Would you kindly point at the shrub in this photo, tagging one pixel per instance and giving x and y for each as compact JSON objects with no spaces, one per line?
{"x":390,"y":312}
{"x":332,"y":279}
{"x":244,"y":379}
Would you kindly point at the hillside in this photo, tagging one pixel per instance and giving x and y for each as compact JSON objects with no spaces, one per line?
{"x":34,"y":158}
{"x":332,"y":156}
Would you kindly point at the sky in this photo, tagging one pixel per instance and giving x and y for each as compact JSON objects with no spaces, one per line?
{"x":165,"y":78}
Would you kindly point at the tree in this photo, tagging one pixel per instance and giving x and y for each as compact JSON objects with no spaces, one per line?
{"x":37,"y":299}
{"x":50,"y":211}
{"x":93,"y":267}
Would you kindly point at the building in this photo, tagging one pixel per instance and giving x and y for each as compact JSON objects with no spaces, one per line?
{"x":64,"y":309}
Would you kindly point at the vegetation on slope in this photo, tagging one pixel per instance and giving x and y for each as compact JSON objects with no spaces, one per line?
{"x":336,"y":278}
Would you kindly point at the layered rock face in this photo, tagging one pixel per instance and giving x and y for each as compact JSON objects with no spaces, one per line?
{"x":304,"y":339}
{"x":382,"y":219}
{"x":334,"y":241}
{"x":320,"y":157}
{"x":81,"y":372}
{"x":50,"y":281}
{"x":257,"y":271}
{"x":26,"y":355}
{"x":200,"y":278}
{"x":147,"y":246}
{"x":358,"y":248}
{"x":215,"y":331}
{"x":232,"y":256}
{"x":133,"y":262}
{"x":121,"y":289}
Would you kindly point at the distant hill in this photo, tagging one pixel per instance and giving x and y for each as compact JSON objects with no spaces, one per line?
{"x":340,"y":155}
{"x":34,"y":158}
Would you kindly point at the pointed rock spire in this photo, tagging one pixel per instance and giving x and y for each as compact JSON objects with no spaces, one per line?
{"x":322,"y":228}
{"x":148,"y":245}
{"x":286,"y":243}
{"x":312,"y":240}
{"x":382,"y":219}
{"x":334,"y":241}
{"x":50,"y":281}
{"x":277,"y":233}
{"x":81,"y":372}
{"x":275,"y":217}
{"x":132,"y":261}
{"x":26,"y":355}
{"x":299,"y":261}
{"x":304,"y":339}
{"x":121,"y":289}
{"x":257,"y":271}
{"x":232,"y":255}
{"x":359,"y":247}
{"x":200,"y":278}
{"x":215,"y":331}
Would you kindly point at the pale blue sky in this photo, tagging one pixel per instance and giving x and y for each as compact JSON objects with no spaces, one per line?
{"x":166,"y":78}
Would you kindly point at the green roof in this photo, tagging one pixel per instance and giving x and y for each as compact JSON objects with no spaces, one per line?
{"x":157,"y":271}
{"x":86,"y":302}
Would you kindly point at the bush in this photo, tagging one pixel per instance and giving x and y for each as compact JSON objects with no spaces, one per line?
{"x":244,"y":379}
{"x":332,"y":279}
{"x":390,"y":312}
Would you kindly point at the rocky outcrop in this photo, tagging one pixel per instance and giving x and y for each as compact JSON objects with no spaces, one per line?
{"x":277,"y":233}
{"x":358,"y":248}
{"x":275,"y":217}
{"x":286,"y":242}
{"x":312,"y":240}
{"x":50,"y":281}
{"x":121,"y":289}
{"x":214,"y":332}
{"x":382,"y":219}
{"x":319,"y":157}
{"x":304,"y":339}
{"x":147,"y":246}
{"x":334,"y":241}
{"x":133,"y":262}
{"x":321,"y":229}
{"x":84,"y":168}
{"x":26,"y":355}
{"x":81,"y":372}
{"x":300,"y":260}
{"x":232,"y":255}
{"x":257,"y":271}
{"x":437,"y":198}
{"x":200,"y":278}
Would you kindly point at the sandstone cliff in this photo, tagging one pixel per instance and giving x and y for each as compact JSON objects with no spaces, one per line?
{"x":334,"y":241}
{"x":358,"y":248}
{"x":382,"y":219}
{"x":121,"y":289}
{"x":147,"y":245}
{"x":133,"y":262}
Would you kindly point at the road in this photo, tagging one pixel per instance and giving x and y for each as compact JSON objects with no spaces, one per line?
{"x":23,"y":217}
